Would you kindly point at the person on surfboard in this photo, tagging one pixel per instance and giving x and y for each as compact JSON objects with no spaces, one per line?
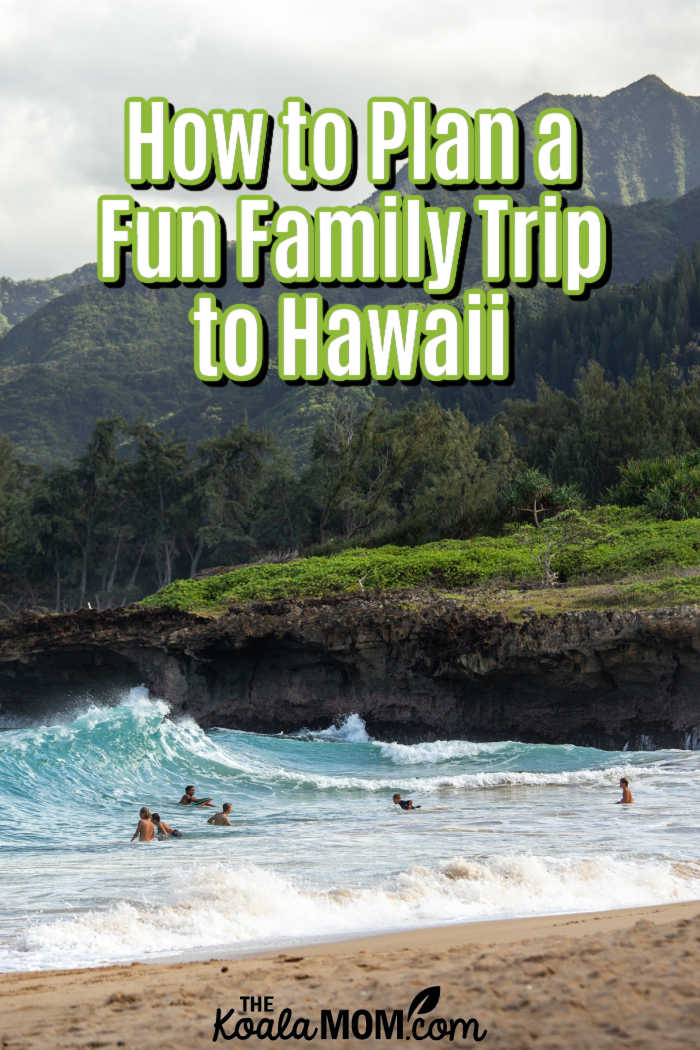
{"x":188,"y":799}
{"x":405,"y":803}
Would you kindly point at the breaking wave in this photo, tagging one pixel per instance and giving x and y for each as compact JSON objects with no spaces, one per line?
{"x":317,"y":849}
{"x":101,"y":751}
{"x":214,"y":907}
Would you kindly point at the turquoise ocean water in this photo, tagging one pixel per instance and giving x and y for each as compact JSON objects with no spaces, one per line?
{"x":318,"y":850}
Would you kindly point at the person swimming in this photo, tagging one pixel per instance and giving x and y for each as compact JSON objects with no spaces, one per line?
{"x":164,"y":830}
{"x":222,"y":819}
{"x":188,"y":799}
{"x":145,"y":829}
{"x":405,"y":803}
{"x":626,"y":793}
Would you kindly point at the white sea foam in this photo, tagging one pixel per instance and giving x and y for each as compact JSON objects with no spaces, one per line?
{"x":468,"y":781}
{"x":215,"y":907}
{"x":352,"y":730}
{"x":320,"y":842}
{"x":439,"y":751}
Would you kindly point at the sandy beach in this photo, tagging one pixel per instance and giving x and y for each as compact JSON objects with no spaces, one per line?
{"x":605,"y":979}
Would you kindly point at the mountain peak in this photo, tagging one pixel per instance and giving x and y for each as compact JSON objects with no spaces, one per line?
{"x":652,"y":78}
{"x":651,"y":82}
{"x":639,"y":142}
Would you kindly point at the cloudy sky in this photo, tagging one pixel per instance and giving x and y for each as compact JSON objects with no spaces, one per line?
{"x":66,"y":68}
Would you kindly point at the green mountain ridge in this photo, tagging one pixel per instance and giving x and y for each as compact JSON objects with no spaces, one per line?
{"x":93,"y":354}
{"x":20,"y":299}
{"x":79,"y":351}
{"x":639,"y":142}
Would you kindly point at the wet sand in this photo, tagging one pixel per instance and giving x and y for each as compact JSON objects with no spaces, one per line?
{"x":598,"y":980}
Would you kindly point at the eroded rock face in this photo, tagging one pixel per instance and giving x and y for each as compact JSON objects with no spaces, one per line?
{"x":413,"y":667}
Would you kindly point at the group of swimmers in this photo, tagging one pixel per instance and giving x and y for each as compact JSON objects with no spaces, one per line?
{"x":407,"y":803}
{"x":150,"y":826}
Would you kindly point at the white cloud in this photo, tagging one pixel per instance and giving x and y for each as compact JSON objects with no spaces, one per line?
{"x":66,"y":68}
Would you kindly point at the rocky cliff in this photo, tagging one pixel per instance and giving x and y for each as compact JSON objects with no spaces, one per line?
{"x":412,"y":666}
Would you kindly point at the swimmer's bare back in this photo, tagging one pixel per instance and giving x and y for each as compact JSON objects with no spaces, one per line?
{"x":221,"y":820}
{"x":145,"y":829}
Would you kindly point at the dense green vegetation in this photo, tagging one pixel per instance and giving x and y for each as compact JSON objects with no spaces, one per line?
{"x":605,"y":543}
{"x":20,"y":299}
{"x":141,"y":508}
{"x":120,"y":473}
{"x":668,"y":487}
{"x":92,"y":354}
{"x":639,"y":142}
{"x":79,"y":352}
{"x":585,"y":439}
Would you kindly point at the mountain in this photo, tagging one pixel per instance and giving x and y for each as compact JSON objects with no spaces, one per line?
{"x":640,"y":142}
{"x":20,"y":299}
{"x":646,"y":238}
{"x":97,"y":352}
{"x":93,"y":353}
{"x":79,"y":351}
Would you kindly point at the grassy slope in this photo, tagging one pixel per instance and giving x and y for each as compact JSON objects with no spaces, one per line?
{"x":652,"y":563}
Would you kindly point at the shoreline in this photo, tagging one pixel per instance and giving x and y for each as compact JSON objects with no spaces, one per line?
{"x":528,"y":981}
{"x":453,"y":934}
{"x":504,"y":930}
